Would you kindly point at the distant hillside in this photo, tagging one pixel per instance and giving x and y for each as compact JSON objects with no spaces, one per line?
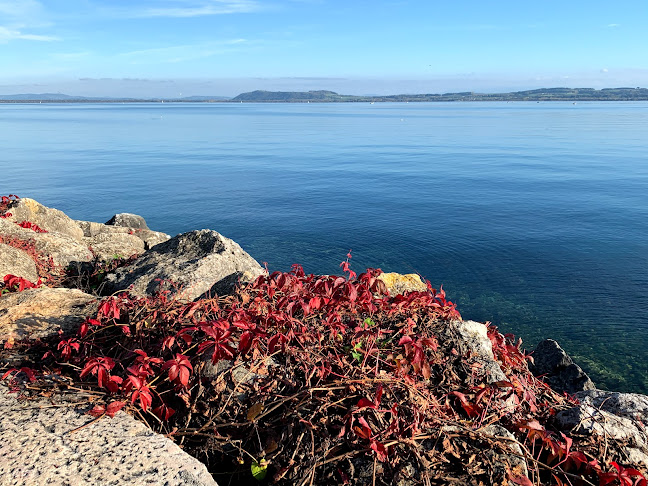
{"x":322,"y":96}
{"x":289,"y":96}
{"x":544,"y":94}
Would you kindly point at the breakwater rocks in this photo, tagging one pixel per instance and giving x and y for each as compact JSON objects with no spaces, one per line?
{"x":123,"y":348}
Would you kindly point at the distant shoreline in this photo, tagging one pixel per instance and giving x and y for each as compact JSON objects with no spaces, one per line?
{"x":277,"y":102}
{"x":322,"y":96}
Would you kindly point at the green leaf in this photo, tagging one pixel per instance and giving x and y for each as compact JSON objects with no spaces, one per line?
{"x":355,"y":353}
{"x":259,"y":470}
{"x":369,"y":322}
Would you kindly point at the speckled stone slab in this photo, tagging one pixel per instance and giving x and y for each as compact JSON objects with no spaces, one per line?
{"x":37,"y":447}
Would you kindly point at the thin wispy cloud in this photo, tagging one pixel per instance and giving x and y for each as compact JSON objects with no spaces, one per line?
{"x":613,"y":26}
{"x":181,"y":53}
{"x":20,"y":19}
{"x":19,"y":9}
{"x":197,"y":8}
{"x":8,"y":34}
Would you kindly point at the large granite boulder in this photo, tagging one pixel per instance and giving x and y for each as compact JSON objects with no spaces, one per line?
{"x":67,"y":241}
{"x":16,"y":262}
{"x":190,"y":265}
{"x":49,"y":219}
{"x":559,"y":371}
{"x":46,"y":443}
{"x":40,"y":313}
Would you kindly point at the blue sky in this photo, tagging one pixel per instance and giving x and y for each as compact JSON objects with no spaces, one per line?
{"x":224,"y":47}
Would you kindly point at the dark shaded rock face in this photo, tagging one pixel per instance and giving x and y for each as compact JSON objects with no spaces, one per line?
{"x":558,"y":369}
{"x":196,"y":263}
{"x":129,"y":220}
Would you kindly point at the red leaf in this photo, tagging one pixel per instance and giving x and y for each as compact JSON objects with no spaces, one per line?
{"x":405,"y":340}
{"x":113,"y":408}
{"x":163,"y":412}
{"x":245,"y":342}
{"x":97,"y":411}
{"x":98,"y":367}
{"x":379,"y":394}
{"x":471,"y":409}
{"x":179,"y":369}
{"x":380,"y":450}
{"x":113,"y":383}
{"x":272,"y":343}
{"x":362,"y":432}
{"x":315,"y":303}
{"x":8,"y":372}
{"x":140,"y":390}
{"x":364,"y":403}
{"x":353,"y":292}
{"x":83,"y":329}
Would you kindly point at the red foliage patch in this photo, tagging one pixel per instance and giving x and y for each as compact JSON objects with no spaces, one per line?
{"x":32,"y":226}
{"x":321,"y":376}
{"x":45,"y":266}
{"x":11,"y":283}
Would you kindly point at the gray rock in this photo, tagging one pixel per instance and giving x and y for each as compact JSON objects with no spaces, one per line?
{"x":637,"y":456}
{"x":558,"y":369}
{"x":195,"y":262}
{"x":242,"y":374}
{"x":91,"y":228}
{"x":588,"y":420}
{"x":630,"y":405}
{"x":40,"y":313}
{"x":505,"y":463}
{"x":62,"y":248}
{"x":49,"y":219}
{"x":149,"y":237}
{"x":128,"y":220}
{"x":618,"y":418}
{"x":474,"y":336}
{"x":38,"y":447}
{"x":108,"y":246}
{"x":16,"y":262}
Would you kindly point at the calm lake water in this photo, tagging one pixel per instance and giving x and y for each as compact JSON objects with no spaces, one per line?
{"x":533,"y":216}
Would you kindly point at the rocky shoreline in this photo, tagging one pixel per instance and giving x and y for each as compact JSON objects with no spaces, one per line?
{"x":48,"y":437}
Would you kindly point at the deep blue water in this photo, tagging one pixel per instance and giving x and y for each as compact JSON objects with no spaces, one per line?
{"x":533,"y":216}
